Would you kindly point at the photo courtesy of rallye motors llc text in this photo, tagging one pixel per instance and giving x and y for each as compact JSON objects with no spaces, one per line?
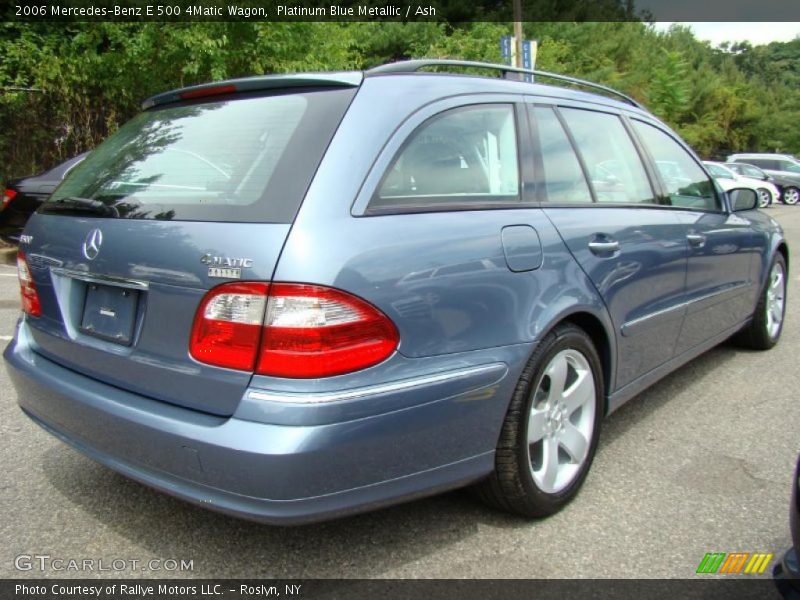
{"x":138,"y":590}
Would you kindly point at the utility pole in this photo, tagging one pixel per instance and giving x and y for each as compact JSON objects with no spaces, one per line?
{"x":518,"y":31}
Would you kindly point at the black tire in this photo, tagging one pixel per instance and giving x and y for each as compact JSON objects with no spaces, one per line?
{"x":760,"y":334}
{"x":512,"y":486}
{"x":790,"y":195}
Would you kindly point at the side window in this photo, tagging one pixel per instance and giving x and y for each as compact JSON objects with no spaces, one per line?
{"x":563,"y":176}
{"x":610,"y":157}
{"x":463,"y":156}
{"x":750,"y":171}
{"x":764,"y":163}
{"x":785,"y":165}
{"x":718,"y":171}
{"x":686,"y":183}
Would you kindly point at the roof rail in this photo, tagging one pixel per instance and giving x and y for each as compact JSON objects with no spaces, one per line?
{"x":412,"y":66}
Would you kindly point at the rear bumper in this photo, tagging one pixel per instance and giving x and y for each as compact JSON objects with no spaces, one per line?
{"x":275,"y":473}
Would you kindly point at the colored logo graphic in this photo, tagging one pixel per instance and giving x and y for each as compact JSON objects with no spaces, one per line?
{"x":735,"y":563}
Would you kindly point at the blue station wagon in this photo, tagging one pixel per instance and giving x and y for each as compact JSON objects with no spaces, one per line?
{"x":290,"y":298}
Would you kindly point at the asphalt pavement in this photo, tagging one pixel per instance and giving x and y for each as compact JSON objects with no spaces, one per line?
{"x":701,"y":462}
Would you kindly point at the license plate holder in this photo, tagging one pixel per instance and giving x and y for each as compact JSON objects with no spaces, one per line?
{"x":109,"y":313}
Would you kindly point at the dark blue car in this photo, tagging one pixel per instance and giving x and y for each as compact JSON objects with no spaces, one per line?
{"x":24,"y":195}
{"x":289,"y":298}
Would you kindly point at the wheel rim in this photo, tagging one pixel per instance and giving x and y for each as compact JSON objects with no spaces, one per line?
{"x":561,"y":421}
{"x":791,"y":195}
{"x":776,"y":294}
{"x":763,"y":198}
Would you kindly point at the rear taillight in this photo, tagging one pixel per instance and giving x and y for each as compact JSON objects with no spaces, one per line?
{"x":308,"y":330}
{"x":313,"y":331}
{"x":8,"y":196}
{"x":227,"y":326}
{"x":30,"y":298}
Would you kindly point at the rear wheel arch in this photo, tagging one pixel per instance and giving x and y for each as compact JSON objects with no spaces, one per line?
{"x":598,"y":333}
{"x":784,"y":250}
{"x":763,"y":330}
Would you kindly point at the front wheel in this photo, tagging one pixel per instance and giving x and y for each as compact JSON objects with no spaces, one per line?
{"x":765,"y":328}
{"x":764,"y":198}
{"x":791,"y":195}
{"x":550,"y":432}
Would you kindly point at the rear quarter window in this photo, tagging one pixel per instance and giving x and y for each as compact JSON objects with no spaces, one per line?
{"x":462,"y":158}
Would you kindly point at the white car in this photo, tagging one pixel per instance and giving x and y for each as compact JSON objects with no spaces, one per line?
{"x":727,"y":179}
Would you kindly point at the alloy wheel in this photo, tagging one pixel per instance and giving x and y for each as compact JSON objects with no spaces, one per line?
{"x":764,"y":198}
{"x":776,"y":294}
{"x":561,"y":421}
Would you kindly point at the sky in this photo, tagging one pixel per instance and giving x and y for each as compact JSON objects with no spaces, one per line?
{"x":755,"y":33}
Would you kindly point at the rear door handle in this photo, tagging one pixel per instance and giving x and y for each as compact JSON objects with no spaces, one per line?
{"x":696,"y":240}
{"x":604,"y":248}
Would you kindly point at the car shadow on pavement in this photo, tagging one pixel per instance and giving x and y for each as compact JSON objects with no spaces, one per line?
{"x":666,"y":390}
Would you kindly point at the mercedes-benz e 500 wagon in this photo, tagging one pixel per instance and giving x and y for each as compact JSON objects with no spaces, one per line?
{"x":294,"y":297}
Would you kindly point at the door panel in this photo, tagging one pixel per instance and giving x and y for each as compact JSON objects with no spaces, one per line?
{"x":718,"y":285}
{"x":632,"y":248}
{"x":642,"y":283}
{"x":720,"y":245}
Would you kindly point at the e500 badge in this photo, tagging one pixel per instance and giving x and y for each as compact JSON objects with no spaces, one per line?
{"x":225,"y":273}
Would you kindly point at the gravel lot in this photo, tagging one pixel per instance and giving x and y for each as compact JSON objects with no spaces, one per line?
{"x":701,"y":462}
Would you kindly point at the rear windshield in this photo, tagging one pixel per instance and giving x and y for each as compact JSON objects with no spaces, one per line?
{"x":242,"y":159}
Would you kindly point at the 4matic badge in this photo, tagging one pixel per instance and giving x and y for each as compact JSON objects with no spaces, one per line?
{"x":225,"y":267}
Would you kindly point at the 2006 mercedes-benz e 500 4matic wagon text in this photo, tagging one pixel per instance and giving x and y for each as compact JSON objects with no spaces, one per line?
{"x":294,"y":297}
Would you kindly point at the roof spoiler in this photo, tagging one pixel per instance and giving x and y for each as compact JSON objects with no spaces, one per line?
{"x":252,"y":84}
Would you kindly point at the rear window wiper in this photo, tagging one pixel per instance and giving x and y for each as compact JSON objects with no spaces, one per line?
{"x":75,"y":204}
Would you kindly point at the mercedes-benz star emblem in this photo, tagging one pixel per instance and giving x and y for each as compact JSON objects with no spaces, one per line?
{"x":91,"y":246}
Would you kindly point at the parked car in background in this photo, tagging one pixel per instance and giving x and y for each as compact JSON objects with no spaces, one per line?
{"x":23,"y":196}
{"x":729,"y":179}
{"x":753,"y":172}
{"x":781,"y":180}
{"x":784,"y":169}
{"x":323,"y":302}
{"x":672,"y":174}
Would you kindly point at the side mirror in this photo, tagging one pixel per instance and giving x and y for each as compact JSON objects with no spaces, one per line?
{"x":743,"y":199}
